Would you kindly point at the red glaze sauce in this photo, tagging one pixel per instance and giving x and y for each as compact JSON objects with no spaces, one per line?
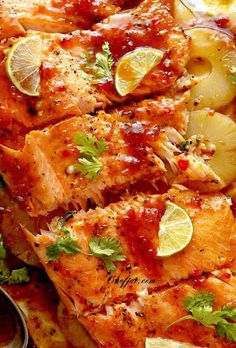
{"x":140,"y":231}
{"x":136,"y":136}
{"x":82,"y":8}
{"x":222,"y":21}
{"x":183,"y":164}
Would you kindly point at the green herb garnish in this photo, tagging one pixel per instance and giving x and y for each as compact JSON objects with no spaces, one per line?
{"x":67,"y":245}
{"x":183,"y":145}
{"x":104,"y":62}
{"x":108,"y":249}
{"x":17,"y":276}
{"x":62,"y":220}
{"x":89,"y":167}
{"x":88,"y":145}
{"x":90,"y":149}
{"x":233,"y":74}
{"x":201,"y":308}
{"x":3,"y":252}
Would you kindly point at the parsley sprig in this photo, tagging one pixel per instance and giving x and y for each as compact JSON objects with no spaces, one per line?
{"x":90,"y":149}
{"x":108,"y":249}
{"x":201,"y":308}
{"x":17,"y":276}
{"x":104,"y":62}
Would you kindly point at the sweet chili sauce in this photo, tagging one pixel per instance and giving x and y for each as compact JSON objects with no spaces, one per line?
{"x":140,"y":230}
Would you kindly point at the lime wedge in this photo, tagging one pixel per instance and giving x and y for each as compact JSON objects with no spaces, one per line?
{"x":175,"y":230}
{"x":133,"y":67}
{"x":23,"y":65}
{"x":165,"y":343}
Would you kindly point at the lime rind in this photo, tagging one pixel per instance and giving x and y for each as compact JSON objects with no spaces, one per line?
{"x":175,"y":231}
{"x":23,"y":65}
{"x":166,"y":343}
{"x":141,"y":61}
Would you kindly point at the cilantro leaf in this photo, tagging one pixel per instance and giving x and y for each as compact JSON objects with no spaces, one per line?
{"x":90,"y":149}
{"x":89,"y":145}
{"x":104,"y":62}
{"x":19,"y":276}
{"x":224,"y":328}
{"x":3,"y":252}
{"x":4,"y":270}
{"x":232,"y":70}
{"x":108,"y":249}
{"x":201,"y":308}
{"x":65,"y":245}
{"x":229,"y":312}
{"x":89,"y":167}
{"x":201,"y":299}
{"x":62,"y":220}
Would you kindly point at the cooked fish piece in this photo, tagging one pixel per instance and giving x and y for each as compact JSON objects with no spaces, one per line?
{"x":162,"y":110}
{"x":40,"y":175}
{"x":56,"y":16}
{"x":69,"y":86}
{"x":12,"y":217}
{"x":128,"y":323}
{"x":83,"y":282}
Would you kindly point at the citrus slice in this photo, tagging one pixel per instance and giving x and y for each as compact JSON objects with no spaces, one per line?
{"x":23,"y":65}
{"x":165,"y":343}
{"x":133,"y":67}
{"x":175,"y":230}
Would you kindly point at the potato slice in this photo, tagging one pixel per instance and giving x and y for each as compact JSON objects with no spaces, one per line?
{"x":212,"y":55}
{"x":220,"y":131}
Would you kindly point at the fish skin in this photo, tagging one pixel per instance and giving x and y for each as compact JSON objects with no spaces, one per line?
{"x":200,"y":256}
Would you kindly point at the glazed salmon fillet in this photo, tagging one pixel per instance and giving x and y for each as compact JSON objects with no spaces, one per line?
{"x":40,"y":178}
{"x":129,"y":323}
{"x":60,"y":16}
{"x":161,"y":110}
{"x":68,"y":86}
{"x":134,"y":223}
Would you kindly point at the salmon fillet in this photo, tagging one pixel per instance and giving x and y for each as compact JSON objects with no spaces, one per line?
{"x":129,"y":323}
{"x":38,"y":175}
{"x":134,"y":222}
{"x":162,"y":111}
{"x":60,"y":16}
{"x":67,"y":84}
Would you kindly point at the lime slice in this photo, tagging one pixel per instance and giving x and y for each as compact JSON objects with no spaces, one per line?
{"x":165,"y":343}
{"x":23,"y":65}
{"x":175,"y":230}
{"x":132,"y":68}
